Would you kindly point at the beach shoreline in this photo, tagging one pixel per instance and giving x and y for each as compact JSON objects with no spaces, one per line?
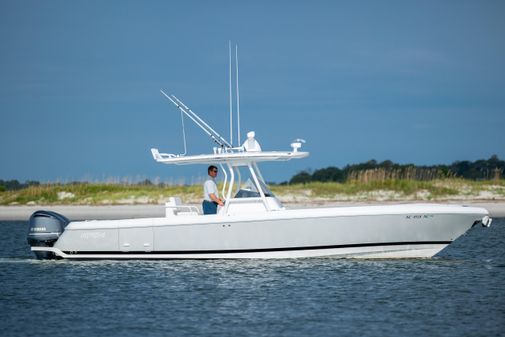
{"x":110,"y":212}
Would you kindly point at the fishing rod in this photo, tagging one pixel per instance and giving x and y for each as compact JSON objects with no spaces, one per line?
{"x":213,"y":134}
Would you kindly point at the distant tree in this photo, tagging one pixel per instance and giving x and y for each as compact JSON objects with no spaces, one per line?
{"x":301,"y":178}
{"x":371,"y":163}
{"x":11,"y":185}
{"x":479,"y":169}
{"x":146,"y":182}
{"x":32,"y":183}
{"x":387,"y":164}
{"x":329,"y":174}
{"x":492,"y":168}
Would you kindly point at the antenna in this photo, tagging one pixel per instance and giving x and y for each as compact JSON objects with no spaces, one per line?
{"x":231,"y":98}
{"x":238,"y":95}
{"x":216,"y":137}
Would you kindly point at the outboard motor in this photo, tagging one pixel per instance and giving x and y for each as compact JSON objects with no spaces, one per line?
{"x":45,"y":227}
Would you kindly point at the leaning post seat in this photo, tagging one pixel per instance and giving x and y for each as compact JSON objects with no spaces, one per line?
{"x":175,"y":207}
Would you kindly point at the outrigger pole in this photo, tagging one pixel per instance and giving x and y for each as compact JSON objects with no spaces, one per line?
{"x":216,"y":137}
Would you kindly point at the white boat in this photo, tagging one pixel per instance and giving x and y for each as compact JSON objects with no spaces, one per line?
{"x":253,"y":223}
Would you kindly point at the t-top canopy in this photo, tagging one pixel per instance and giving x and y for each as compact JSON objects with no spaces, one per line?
{"x":235,"y":158}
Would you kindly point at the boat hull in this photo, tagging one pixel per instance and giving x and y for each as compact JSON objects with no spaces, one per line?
{"x":402,"y":231}
{"x":383,"y":251}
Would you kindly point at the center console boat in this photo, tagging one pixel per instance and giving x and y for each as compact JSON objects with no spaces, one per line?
{"x":253,"y":222}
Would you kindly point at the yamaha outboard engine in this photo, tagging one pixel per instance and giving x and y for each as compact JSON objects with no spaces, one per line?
{"x":45,"y":228}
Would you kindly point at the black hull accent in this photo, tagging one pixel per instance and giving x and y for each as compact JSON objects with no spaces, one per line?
{"x":259,"y":250}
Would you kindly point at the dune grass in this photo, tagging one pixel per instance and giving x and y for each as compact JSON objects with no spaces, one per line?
{"x":123,"y":194}
{"x":443,"y":189}
{"x":95,"y":194}
{"x":404,"y":187}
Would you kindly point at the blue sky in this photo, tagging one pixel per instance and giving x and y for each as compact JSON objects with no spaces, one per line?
{"x":411,"y":81}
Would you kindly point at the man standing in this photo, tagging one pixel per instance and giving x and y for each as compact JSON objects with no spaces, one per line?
{"x":210,"y":194}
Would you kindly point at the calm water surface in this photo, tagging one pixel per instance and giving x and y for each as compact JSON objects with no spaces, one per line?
{"x":460,"y":292}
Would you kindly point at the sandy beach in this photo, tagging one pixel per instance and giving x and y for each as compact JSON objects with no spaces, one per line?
{"x":20,"y":213}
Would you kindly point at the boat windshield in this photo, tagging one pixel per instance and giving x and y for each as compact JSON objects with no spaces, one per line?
{"x":249,"y":190}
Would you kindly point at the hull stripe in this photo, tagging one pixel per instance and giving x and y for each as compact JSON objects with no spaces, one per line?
{"x":256,"y":250}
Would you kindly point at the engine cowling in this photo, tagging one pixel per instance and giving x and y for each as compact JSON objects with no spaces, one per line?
{"x":45,"y":227}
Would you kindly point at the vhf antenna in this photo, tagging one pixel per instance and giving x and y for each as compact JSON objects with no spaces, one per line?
{"x":216,"y":137}
{"x":231,"y":93}
{"x":238,"y":96}
{"x":231,"y":96}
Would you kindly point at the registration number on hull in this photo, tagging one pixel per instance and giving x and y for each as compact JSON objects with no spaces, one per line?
{"x":419,"y":216}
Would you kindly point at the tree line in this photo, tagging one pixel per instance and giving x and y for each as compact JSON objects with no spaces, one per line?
{"x":483,"y":169}
{"x":14,"y":184}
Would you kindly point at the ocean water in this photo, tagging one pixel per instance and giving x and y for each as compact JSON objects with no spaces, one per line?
{"x":461,"y":292}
